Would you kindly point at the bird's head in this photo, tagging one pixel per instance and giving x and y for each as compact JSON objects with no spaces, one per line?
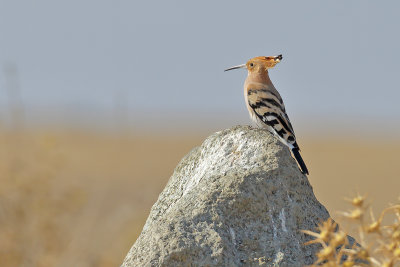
{"x":258,"y":64}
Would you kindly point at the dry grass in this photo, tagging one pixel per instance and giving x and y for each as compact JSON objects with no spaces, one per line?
{"x":78,"y":199}
{"x":73,"y":198}
{"x":379,"y":243}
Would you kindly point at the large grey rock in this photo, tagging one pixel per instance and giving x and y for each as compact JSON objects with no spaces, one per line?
{"x":237,"y":200}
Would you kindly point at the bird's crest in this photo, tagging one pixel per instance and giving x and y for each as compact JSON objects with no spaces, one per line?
{"x":258,"y":63}
{"x":268,"y":62}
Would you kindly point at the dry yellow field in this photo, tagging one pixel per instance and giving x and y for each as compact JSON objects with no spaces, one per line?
{"x":76,"y":198}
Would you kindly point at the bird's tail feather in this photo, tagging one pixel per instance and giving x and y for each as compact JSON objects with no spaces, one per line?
{"x":299,"y":159}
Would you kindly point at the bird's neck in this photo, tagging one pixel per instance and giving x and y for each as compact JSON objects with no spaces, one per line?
{"x":258,"y":77}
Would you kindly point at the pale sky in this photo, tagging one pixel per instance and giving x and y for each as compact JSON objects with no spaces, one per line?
{"x":162,"y":62}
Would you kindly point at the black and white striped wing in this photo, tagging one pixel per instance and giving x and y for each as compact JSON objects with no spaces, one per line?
{"x":268,"y":106}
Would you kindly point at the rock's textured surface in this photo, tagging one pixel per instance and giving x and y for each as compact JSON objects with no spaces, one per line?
{"x":237,"y":200}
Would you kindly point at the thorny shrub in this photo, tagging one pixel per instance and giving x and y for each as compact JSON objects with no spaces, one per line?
{"x":379,"y":244}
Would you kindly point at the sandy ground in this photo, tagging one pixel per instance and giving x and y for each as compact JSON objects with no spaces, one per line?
{"x":74,"y":198}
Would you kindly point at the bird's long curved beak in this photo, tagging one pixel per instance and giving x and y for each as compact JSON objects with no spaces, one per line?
{"x":243,"y":66}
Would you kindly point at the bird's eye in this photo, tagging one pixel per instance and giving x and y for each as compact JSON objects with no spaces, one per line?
{"x":251,"y":65}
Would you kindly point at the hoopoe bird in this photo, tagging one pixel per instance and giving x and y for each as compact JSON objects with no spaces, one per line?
{"x":265,"y":104}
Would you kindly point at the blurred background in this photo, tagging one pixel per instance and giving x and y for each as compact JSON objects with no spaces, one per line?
{"x":99,"y":100}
